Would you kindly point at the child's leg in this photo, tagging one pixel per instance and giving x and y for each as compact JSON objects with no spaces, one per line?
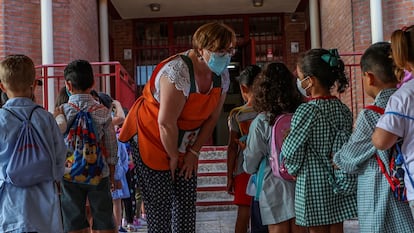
{"x":100,"y":200}
{"x":127,"y":202}
{"x":256,"y":225}
{"x":117,"y":207}
{"x":138,"y":203}
{"x":243,"y":217}
{"x":243,"y":201}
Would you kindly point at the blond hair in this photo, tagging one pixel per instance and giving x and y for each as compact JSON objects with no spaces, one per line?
{"x":402,"y":46}
{"x":17,"y":73}
{"x":214,"y":36}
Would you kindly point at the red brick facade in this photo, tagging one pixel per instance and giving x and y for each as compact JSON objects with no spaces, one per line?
{"x":346,"y":25}
{"x":75,"y":29}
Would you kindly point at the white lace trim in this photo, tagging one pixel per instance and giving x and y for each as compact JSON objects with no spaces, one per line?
{"x":177,"y":72}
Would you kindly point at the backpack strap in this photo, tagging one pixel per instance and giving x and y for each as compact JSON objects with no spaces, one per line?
{"x":375,"y":108}
{"x":15,"y":114}
{"x":189,"y":63}
{"x":379,"y":161}
{"x":384,"y":171}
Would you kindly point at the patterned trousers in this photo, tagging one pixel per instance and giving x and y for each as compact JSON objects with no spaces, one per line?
{"x":169,"y":205}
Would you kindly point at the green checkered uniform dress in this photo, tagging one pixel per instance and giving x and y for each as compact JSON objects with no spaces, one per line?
{"x":306,"y":150}
{"x":378,"y":210}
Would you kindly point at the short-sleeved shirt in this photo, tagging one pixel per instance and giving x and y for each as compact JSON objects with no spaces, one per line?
{"x":402,"y":102}
{"x":178,"y":73}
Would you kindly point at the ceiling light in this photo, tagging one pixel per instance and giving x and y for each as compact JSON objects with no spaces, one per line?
{"x":257,"y":3}
{"x":155,"y":6}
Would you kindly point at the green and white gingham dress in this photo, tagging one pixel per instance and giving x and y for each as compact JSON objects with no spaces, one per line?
{"x":378,"y":210}
{"x":306,"y":150}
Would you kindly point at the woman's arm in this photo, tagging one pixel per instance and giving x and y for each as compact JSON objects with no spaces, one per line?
{"x":172,"y":102}
{"x":206,"y":130}
{"x":382,"y":139}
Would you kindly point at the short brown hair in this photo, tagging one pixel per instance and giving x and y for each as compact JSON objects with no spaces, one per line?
{"x":402,"y":46}
{"x":214,"y":36}
{"x":17,"y":72}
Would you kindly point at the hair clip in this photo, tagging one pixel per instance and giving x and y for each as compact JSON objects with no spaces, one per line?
{"x":331,"y":58}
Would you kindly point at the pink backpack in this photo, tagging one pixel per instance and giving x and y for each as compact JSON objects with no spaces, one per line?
{"x":279,"y":130}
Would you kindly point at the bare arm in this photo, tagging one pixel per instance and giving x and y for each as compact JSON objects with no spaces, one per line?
{"x":383,"y":139}
{"x":206,"y":130}
{"x":232,"y":150}
{"x":171,"y":105}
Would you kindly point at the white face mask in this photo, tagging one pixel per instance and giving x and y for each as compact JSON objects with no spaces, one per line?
{"x":300,"y":88}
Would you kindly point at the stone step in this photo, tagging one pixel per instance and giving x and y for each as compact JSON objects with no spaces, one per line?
{"x":211,"y":180}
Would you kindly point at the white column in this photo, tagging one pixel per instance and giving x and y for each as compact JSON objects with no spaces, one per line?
{"x":47,"y":48}
{"x":104,"y":41}
{"x":314,"y":24}
{"x":376,"y":21}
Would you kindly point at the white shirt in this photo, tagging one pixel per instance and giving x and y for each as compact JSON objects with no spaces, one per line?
{"x":177,"y":72}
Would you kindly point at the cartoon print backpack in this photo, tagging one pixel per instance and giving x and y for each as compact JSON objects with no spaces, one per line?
{"x":84,"y":163}
{"x":395,"y":172}
{"x":30,"y":162}
{"x":279,"y":131}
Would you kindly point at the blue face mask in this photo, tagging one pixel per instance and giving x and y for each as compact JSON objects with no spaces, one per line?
{"x":218,"y":64}
{"x":300,"y":88}
{"x":68,"y":92}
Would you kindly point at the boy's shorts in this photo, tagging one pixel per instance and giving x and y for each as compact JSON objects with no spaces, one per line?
{"x":73,"y":201}
{"x":240,"y":184}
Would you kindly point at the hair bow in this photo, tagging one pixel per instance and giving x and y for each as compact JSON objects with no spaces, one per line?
{"x":331,"y":58}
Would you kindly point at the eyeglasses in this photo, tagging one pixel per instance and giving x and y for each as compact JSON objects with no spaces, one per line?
{"x":221,"y":53}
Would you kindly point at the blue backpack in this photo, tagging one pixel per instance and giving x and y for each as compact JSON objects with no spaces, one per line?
{"x":84,"y":163}
{"x":30,"y":162}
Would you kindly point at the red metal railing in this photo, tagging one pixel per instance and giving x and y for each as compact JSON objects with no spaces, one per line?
{"x":124,"y":89}
{"x":354,"y":97}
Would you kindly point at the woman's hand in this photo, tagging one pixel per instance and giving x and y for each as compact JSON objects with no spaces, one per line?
{"x":190,"y":165}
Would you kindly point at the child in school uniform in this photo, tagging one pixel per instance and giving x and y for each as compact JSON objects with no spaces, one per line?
{"x":274,"y":93}
{"x":308,"y":147}
{"x":378,"y":210}
{"x":34,"y":208}
{"x":239,"y":121}
{"x":398,"y":119}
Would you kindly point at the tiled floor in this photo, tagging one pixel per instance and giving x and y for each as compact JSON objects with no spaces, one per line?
{"x":223,"y":222}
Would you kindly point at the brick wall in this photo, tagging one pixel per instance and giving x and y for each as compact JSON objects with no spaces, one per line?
{"x":295,"y":31}
{"x":122,"y":35}
{"x":75,"y":27}
{"x":75,"y":31}
{"x":347,"y":26}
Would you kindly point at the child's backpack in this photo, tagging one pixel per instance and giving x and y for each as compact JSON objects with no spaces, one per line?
{"x":395,"y":173}
{"x":30,"y":162}
{"x":276,"y":160}
{"x":84,"y":163}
